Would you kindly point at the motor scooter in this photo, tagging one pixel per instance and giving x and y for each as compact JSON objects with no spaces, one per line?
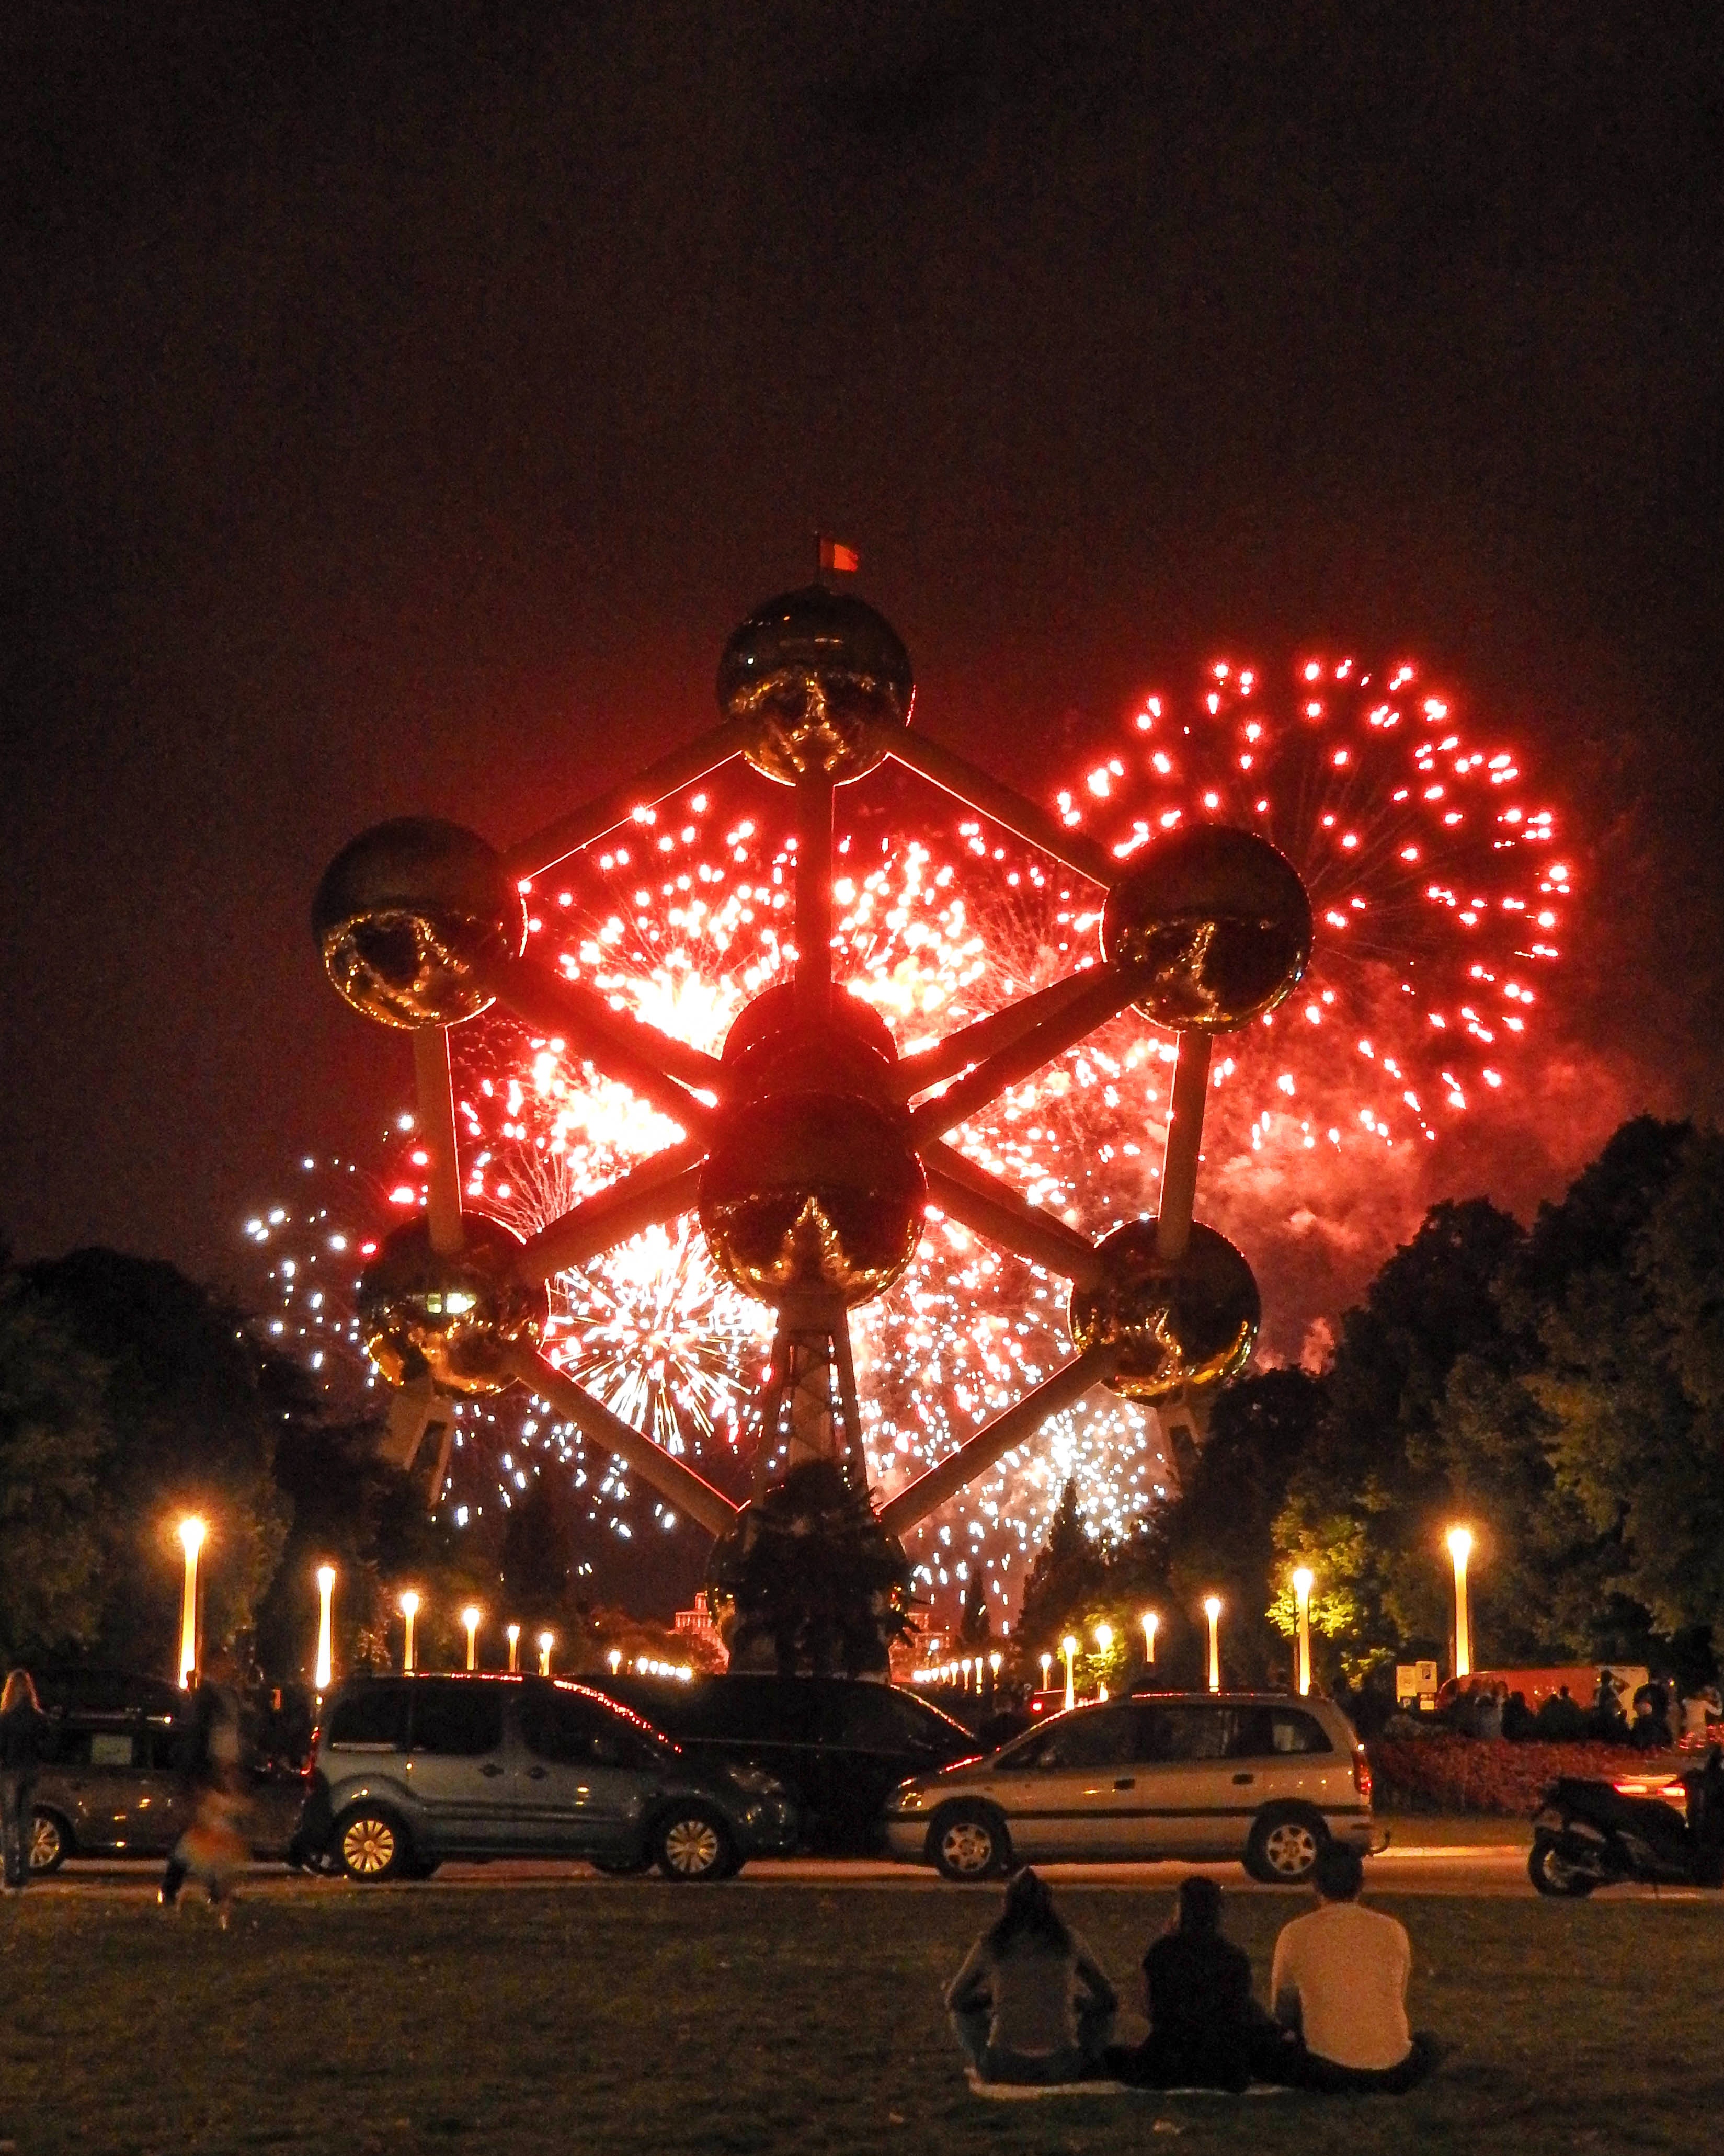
{"x":1590,"y":1833}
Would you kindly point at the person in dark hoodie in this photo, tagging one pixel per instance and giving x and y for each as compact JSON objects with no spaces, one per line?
{"x":24,"y":1736}
{"x":1206,"y":2030}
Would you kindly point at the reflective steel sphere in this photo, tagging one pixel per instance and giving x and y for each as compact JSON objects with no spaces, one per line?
{"x":420,"y":1310}
{"x":1217,"y":924}
{"x":809,"y":1194}
{"x":1192,"y":1323}
{"x":408,"y":914}
{"x":770,"y":1046}
{"x":803,"y":676}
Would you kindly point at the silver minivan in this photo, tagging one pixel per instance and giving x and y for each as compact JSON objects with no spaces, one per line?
{"x":1256,"y":1776}
{"x":411,"y":1770}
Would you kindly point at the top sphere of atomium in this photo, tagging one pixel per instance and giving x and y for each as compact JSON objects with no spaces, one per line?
{"x":806,"y":676}
{"x":1215,"y":925}
{"x":411,"y":917}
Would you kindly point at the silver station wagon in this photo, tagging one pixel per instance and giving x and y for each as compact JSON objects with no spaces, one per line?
{"x":1258,"y":1777}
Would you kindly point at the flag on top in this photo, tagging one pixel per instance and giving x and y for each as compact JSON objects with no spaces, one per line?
{"x":834,"y":555}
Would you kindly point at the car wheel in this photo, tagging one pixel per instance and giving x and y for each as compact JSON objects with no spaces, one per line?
{"x":50,"y":1843}
{"x":622,"y":1867}
{"x":693,"y":1845}
{"x":1283,"y":1848}
{"x":371,"y":1844}
{"x":1550,"y":1874}
{"x":969,"y":1841}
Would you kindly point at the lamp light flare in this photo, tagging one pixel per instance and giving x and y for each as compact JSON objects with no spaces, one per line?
{"x":193,"y":1531}
{"x":409,"y":1606}
{"x":1460,"y":1545}
{"x":1152,"y":1626}
{"x":470,"y":1617}
{"x":1211,"y":1610}
{"x":1069,"y":1647}
{"x":512,"y":1634}
{"x":323,"y":1673}
{"x":1303,"y":1581}
{"x":547,"y":1640}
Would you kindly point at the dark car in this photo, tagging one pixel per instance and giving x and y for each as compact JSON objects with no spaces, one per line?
{"x":842,"y":1745}
{"x":411,"y":1770}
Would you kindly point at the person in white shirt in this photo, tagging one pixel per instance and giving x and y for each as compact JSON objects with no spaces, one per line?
{"x":1340,"y":1979}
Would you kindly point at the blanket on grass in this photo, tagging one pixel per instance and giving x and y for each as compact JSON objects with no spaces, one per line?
{"x":1013,"y":2091}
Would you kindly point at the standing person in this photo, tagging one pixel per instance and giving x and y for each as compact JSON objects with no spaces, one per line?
{"x":1206,"y":2031}
{"x":1340,"y":1980}
{"x":1031,"y":2003}
{"x":24,"y":1737}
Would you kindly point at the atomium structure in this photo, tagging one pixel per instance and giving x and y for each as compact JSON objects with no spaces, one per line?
{"x":810,"y":1147}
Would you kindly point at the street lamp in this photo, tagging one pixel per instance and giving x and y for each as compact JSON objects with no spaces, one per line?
{"x":1302,"y":1584}
{"x":1211,"y":1610}
{"x":1104,"y":1641}
{"x":615,"y":1658}
{"x":965,"y":1667}
{"x":513,"y":1636}
{"x":547,"y":1640}
{"x":470,"y":1617}
{"x":325,"y":1671}
{"x":1047,"y":1672}
{"x":1152,"y":1626}
{"x":192,"y":1534}
{"x":993,"y":1668}
{"x":409,"y":1610}
{"x":1461,"y":1547}
{"x":1069,"y":1647}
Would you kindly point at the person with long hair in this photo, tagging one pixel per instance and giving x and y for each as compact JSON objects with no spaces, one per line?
{"x":1031,"y":2003}
{"x":23,"y":1737}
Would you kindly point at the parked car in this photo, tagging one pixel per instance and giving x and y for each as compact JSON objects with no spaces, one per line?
{"x":1256,"y":1776}
{"x":410,"y":1770}
{"x":842,"y":1745}
{"x":118,"y":1783}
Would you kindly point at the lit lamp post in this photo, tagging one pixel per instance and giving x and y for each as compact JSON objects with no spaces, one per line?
{"x":614,"y":1658}
{"x":1047,"y":1672}
{"x":965,"y":1665}
{"x":469,"y":1617}
{"x":1460,"y":1549}
{"x":1069,"y":1647}
{"x":1211,"y":1610}
{"x":1302,"y":1584}
{"x":1103,"y":1643}
{"x":326,"y":1669}
{"x":192,"y":1534}
{"x":514,"y":1638}
{"x":547,"y":1640}
{"x":993,"y":1670}
{"x":1152,"y":1626}
{"x":409,"y":1610}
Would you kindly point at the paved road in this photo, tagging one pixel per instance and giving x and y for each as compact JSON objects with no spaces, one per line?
{"x":1479,"y":1870}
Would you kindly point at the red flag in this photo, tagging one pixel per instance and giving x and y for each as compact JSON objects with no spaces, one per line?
{"x":835,"y":554}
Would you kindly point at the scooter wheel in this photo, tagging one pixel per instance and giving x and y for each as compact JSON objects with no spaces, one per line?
{"x":1550,"y":1874}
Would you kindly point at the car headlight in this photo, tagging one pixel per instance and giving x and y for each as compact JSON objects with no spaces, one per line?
{"x":909,"y":1798}
{"x":754,"y":1782}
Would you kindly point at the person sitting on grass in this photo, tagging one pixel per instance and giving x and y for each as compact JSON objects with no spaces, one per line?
{"x":1339,"y":1981}
{"x":1206,"y":2031}
{"x":1031,"y":2003}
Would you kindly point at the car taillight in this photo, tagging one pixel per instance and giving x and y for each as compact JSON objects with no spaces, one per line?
{"x":1361,"y":1774}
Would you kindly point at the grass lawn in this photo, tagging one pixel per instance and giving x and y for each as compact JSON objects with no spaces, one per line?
{"x":640,"y":2017}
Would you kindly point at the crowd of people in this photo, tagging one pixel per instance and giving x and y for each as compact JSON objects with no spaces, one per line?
{"x":1656,"y":1717}
{"x":1033,"y":2005}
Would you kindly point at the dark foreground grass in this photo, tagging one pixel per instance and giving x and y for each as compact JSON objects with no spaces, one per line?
{"x":639,"y":2017}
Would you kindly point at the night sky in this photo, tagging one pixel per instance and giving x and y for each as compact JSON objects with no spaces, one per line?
{"x":398,"y":415}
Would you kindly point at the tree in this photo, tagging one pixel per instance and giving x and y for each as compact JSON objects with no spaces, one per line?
{"x":54,"y":1439}
{"x":975,"y":1629}
{"x":1065,"y":1575}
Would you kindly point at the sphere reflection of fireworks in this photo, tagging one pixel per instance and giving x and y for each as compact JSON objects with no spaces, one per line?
{"x":1435,"y":898}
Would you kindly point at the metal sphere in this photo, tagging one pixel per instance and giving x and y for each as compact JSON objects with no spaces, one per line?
{"x":1216,"y":924}
{"x":773,"y":1046}
{"x":453,"y":1314}
{"x":408,"y":916}
{"x":804,"y":674}
{"x":1189,"y":1322}
{"x":812,"y":1194}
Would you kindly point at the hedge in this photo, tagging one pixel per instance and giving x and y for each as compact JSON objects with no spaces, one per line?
{"x":1454,"y":1773}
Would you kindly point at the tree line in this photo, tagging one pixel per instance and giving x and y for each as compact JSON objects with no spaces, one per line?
{"x":1559,"y":1389}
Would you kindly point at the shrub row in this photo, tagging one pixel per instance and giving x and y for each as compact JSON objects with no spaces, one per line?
{"x":1451,"y":1773}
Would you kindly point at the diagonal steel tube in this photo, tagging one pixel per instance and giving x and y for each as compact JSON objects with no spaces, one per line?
{"x":667,"y":1476}
{"x":587,"y":1015}
{"x":813,"y":897}
{"x":1185,"y":1138}
{"x":437,"y":1132}
{"x":1108,"y":992}
{"x":659,"y":1189}
{"x":680,"y":767}
{"x":955,"y":774}
{"x":928,"y":1493}
{"x":626,"y":1050}
{"x":982,"y":1201}
{"x":972,"y":1043}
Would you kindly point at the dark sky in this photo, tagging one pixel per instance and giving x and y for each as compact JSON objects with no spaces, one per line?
{"x":398,"y":413}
